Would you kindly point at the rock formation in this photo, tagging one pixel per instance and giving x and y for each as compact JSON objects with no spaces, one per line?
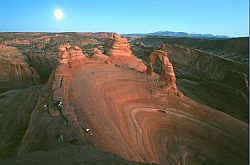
{"x":211,"y":80}
{"x":120,"y":48}
{"x":61,"y":120}
{"x":69,"y":54}
{"x":99,"y":56}
{"x":127,"y":112}
{"x":124,"y":106}
{"x":120,"y":52}
{"x":14,"y":70}
{"x":43,"y":63}
{"x":167,"y":73}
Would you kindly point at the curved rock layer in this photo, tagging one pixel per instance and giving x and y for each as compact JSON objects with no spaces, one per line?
{"x":129,"y":114}
{"x":14,"y":70}
{"x":124,"y":107}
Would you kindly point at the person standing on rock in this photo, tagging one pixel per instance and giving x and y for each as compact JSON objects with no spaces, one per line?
{"x":59,"y":105}
{"x":88,"y":132}
{"x":45,"y":107}
{"x":60,"y":139}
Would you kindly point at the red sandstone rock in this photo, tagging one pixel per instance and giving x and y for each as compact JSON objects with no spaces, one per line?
{"x":18,"y":42}
{"x":14,"y":70}
{"x":123,"y":106}
{"x":70,"y":54}
{"x":130,"y":115}
{"x":167,"y":74}
{"x":120,"y":48}
{"x":45,"y":38}
{"x":99,"y":56}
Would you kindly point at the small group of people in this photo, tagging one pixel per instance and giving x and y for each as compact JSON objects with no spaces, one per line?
{"x":61,"y":136}
{"x":58,"y":104}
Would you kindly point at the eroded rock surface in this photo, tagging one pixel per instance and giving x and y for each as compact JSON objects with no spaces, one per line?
{"x":43,"y":63}
{"x":56,"y":120}
{"x":127,"y":107}
{"x":16,"y":107}
{"x":99,"y":56}
{"x":120,"y":48}
{"x":115,"y":107}
{"x":167,"y":73}
{"x":14,"y":70}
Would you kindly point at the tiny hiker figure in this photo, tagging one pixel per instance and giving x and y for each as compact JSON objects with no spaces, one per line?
{"x":45,"y":107}
{"x":88,"y":132}
{"x":60,"y":138}
{"x":59,"y":105}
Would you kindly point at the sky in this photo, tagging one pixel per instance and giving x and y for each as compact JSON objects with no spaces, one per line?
{"x":218,"y":17}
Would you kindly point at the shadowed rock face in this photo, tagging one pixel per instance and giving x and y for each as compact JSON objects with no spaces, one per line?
{"x":67,"y":154}
{"x":43,"y":63}
{"x":55,"y":120}
{"x":16,"y":107}
{"x":14,"y":70}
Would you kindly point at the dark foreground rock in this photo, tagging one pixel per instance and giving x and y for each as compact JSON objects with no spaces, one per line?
{"x":68,"y":154}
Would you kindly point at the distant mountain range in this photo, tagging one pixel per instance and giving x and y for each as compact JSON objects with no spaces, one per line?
{"x":177,"y":34}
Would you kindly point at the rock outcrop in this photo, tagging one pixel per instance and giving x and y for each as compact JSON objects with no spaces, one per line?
{"x":167,"y":73}
{"x":120,"y":48}
{"x":70,"y":54}
{"x":59,"y":120}
{"x":14,"y":70}
{"x":99,"y":56}
{"x":120,"y":52}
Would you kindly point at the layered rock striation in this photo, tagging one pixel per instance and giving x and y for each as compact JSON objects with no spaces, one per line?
{"x":14,"y":69}
{"x":59,"y":120}
{"x":120,"y":48}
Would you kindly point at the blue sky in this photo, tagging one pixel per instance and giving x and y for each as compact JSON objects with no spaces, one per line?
{"x":219,"y":17}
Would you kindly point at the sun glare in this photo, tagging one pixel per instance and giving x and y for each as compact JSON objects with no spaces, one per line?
{"x":59,"y":14}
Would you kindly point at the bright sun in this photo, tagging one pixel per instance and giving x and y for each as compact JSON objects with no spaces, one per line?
{"x":58,"y":14}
